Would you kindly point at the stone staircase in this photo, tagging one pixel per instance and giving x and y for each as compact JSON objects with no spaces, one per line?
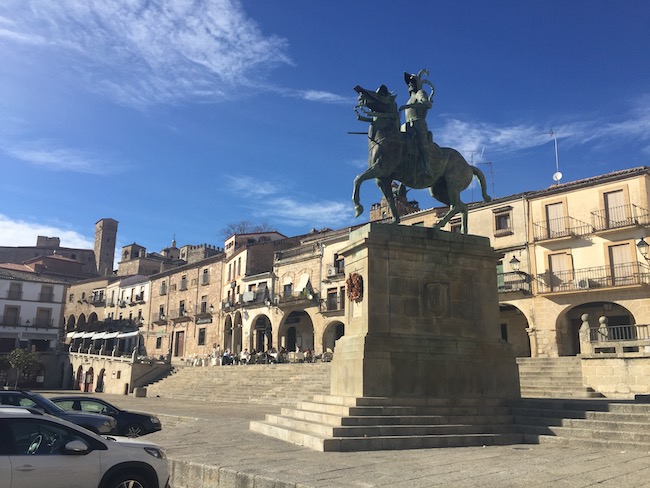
{"x":331,"y":423}
{"x":275,"y":384}
{"x":553,"y":377}
{"x":611,"y":424}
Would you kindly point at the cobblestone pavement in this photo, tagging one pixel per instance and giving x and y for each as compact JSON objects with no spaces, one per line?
{"x":209,"y":445}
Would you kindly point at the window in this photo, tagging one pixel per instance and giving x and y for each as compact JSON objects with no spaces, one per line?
{"x":181,"y":308}
{"x":455,"y":226}
{"x":622,"y":268}
{"x":205,"y":278}
{"x":43,"y":317}
{"x":11,"y":315}
{"x":184,"y":282}
{"x":288,"y":290}
{"x":556,"y":221}
{"x":47,"y":293}
{"x":71,"y":298}
{"x":158,"y":342}
{"x":163,"y":288}
{"x":502,"y":221}
{"x":201,"y":339}
{"x":504,"y":332}
{"x":15,"y":291}
{"x":204,"y":304}
{"x":41,"y":438}
{"x":161,"y":312}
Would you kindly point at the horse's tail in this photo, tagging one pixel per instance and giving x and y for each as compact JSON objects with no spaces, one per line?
{"x":481,"y":179}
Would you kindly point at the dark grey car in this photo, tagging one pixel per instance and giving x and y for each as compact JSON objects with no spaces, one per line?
{"x":97,"y":423}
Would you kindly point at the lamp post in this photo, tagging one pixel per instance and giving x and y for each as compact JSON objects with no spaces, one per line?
{"x":515,"y":264}
{"x":643,"y":246}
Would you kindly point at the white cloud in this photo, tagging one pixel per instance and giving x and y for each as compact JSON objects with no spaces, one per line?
{"x":141,"y":53}
{"x":325,"y":97}
{"x":22,"y":233}
{"x":54,"y":157}
{"x":475,"y":137}
{"x":253,"y":187}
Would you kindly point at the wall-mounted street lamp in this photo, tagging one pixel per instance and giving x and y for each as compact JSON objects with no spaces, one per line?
{"x":211,"y":308}
{"x":515,"y":264}
{"x":643,"y":246}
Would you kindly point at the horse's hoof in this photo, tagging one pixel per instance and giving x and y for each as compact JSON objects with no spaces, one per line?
{"x":358,"y":210}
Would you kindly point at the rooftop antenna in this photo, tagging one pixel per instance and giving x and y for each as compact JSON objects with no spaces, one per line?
{"x":557,"y":176}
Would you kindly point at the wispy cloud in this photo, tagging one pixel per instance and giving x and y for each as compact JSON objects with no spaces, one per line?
{"x":268,"y":201}
{"x":475,"y":137}
{"x":253,"y":187}
{"x":22,"y":233}
{"x":55,"y":157}
{"x":148,"y":52}
{"x":325,"y":97}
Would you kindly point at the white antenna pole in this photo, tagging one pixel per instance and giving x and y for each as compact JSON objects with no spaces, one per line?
{"x":557,"y":176}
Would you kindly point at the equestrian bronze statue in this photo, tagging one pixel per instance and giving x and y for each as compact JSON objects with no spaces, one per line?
{"x":408,"y":154}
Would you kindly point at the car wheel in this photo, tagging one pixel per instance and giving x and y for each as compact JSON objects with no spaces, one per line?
{"x":127,"y":481}
{"x":134,"y":430}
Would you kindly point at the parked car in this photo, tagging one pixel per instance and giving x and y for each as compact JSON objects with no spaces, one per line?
{"x":95,"y":422}
{"x":37,"y":449}
{"x":130,"y":424}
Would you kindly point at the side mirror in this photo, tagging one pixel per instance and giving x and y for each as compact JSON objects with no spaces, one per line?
{"x":76,"y":447}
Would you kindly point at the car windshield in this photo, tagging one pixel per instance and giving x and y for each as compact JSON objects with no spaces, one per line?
{"x":46,"y":403}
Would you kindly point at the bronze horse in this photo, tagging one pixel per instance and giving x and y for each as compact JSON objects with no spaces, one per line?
{"x":446,"y":175}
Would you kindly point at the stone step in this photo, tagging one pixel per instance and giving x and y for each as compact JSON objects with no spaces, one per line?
{"x":591,"y":433}
{"x":586,"y":443}
{"x":611,"y":425}
{"x":321,"y":443}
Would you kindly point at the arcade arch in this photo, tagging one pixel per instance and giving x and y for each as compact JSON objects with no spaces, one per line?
{"x":568,"y":324}
{"x":297,"y":331}
{"x":261,"y":336}
{"x":513,"y":329}
{"x":332,"y":333}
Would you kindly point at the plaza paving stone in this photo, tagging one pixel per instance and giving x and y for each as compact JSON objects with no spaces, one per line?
{"x":209,"y":445}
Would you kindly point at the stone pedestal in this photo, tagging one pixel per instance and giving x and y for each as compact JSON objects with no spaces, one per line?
{"x":427,"y":323}
{"x":422,"y":363}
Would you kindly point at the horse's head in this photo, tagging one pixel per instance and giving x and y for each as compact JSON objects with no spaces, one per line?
{"x":380,"y":101}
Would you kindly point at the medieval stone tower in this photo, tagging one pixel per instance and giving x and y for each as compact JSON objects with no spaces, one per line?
{"x":105,"y":241}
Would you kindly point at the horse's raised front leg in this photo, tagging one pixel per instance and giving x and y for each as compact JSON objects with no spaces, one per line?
{"x":366,"y":175}
{"x":386,"y":187}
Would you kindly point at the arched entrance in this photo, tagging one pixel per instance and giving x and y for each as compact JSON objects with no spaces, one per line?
{"x":88,"y":380}
{"x":227,"y":333}
{"x":70,"y":324}
{"x":81,"y":323}
{"x":261,"y":334}
{"x":100,"y":381}
{"x":333,"y":332}
{"x":297,"y":331}
{"x":513,"y":325}
{"x":568,"y":326}
{"x":79,"y":383}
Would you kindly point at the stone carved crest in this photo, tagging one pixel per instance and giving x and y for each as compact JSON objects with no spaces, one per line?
{"x":354,"y":287}
{"x":436,"y":296}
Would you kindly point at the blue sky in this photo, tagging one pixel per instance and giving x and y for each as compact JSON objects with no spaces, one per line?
{"x":178,"y":117}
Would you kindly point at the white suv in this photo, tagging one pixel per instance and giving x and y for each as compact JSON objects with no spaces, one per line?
{"x":37,"y":450}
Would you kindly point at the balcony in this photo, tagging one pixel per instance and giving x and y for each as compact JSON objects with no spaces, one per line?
{"x":14,"y":294}
{"x":585,"y":279}
{"x":160,"y":319}
{"x":303,"y":298}
{"x":334,"y":304}
{"x":98,"y":301}
{"x":562,"y":228}
{"x":180,"y":315}
{"x":515,"y":281}
{"x":620,"y":217}
{"x":11,"y":320}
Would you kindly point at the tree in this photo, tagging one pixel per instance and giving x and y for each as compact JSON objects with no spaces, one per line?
{"x":244,"y":227}
{"x":22,"y":361}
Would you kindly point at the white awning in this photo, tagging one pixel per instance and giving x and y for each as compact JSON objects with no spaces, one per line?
{"x":87,"y":335}
{"x":69,"y":334}
{"x":123,"y":335}
{"x":77,"y":335}
{"x":110,"y":335}
{"x":304,"y":279}
{"x":98,"y":335}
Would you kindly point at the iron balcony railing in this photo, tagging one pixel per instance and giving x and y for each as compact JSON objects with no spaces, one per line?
{"x":333,"y":303}
{"x":513,"y":281}
{"x":14,"y":294}
{"x":292,"y":297}
{"x":561,"y":227}
{"x":11,"y":320}
{"x":626,"y":274}
{"x":620,"y":216}
{"x":310,"y":249}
